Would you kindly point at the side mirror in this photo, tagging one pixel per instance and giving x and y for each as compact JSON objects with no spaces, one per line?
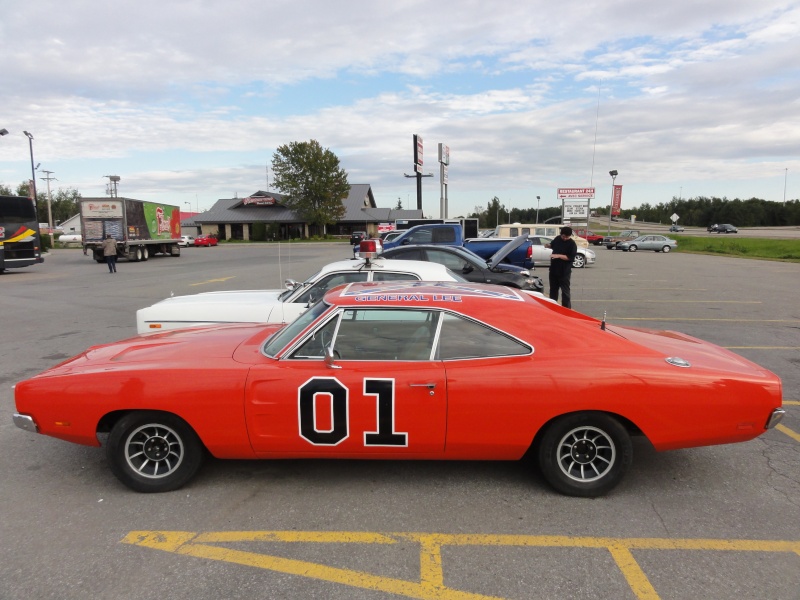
{"x":467,"y":268}
{"x":329,"y":359}
{"x":290,"y":284}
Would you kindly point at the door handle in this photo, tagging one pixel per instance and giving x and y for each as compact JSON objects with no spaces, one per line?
{"x":430,"y":386}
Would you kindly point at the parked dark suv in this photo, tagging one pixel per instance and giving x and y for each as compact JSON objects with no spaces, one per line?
{"x":357,"y":237}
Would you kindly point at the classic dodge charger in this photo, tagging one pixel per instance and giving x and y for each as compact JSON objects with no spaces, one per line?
{"x":403,"y":370}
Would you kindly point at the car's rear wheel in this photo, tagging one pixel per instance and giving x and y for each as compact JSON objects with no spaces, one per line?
{"x":152,"y":451}
{"x":632,"y":248}
{"x":666,"y":249}
{"x":585,"y":454}
{"x":579,"y":262}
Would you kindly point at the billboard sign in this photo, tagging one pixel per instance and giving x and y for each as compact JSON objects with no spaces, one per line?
{"x":417,"y":153}
{"x":575,"y":210}
{"x":574,"y":193}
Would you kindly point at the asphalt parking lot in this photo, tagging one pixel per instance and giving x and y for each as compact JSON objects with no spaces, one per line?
{"x":713,"y":523}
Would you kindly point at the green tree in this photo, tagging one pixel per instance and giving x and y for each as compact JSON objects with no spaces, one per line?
{"x":312,"y":181}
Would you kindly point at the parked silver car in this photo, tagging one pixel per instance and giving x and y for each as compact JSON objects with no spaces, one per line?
{"x":656,"y":243}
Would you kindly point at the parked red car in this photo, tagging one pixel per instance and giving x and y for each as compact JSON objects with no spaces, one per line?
{"x":205,"y":240}
{"x":404,"y":370}
{"x":589,"y":236}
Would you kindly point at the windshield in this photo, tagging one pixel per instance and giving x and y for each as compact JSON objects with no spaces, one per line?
{"x":276,"y":343}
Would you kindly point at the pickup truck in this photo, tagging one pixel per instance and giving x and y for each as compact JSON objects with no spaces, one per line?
{"x":451,"y":234}
{"x":611,"y":241}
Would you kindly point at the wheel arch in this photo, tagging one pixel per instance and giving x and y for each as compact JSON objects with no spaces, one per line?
{"x":630,"y":426}
{"x":109,"y":420}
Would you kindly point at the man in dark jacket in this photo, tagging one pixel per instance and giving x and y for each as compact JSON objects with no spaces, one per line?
{"x":564,"y":251}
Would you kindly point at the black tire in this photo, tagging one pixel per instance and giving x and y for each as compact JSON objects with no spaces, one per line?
{"x":609,"y":247}
{"x":585,"y":454}
{"x":666,"y":249}
{"x":152,"y":451}
{"x":579,"y":262}
{"x":145,"y":252}
{"x":632,"y":248}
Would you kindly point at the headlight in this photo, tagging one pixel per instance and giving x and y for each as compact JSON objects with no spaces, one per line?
{"x":590,"y":253}
{"x":525,"y":273}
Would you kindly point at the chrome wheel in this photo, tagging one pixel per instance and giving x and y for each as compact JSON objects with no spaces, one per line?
{"x":666,"y":249}
{"x":154,"y":451}
{"x":632,"y":248}
{"x":151,"y":451}
{"x":579,"y":262}
{"x":586,"y":454}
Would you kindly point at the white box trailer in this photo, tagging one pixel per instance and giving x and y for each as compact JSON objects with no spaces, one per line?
{"x":141,"y":229}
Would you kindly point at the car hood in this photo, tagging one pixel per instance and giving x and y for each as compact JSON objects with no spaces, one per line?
{"x":498,"y":256}
{"x":174,"y":348}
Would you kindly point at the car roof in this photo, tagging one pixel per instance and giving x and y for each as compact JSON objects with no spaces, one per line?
{"x":426,"y":270}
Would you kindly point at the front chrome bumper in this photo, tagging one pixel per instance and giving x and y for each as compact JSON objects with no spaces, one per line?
{"x":25,"y":422}
{"x":775,"y":418}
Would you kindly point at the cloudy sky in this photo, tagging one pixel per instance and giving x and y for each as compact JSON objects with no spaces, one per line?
{"x":187,"y":100}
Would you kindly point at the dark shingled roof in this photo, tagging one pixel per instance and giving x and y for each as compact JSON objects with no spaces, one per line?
{"x":359,"y":208}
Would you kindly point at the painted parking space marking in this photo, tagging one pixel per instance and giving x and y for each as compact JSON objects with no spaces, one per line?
{"x":792,"y":402}
{"x":218,"y":280}
{"x":791,"y":433}
{"x":431,"y":581}
{"x":611,"y":319}
{"x":638,"y":301}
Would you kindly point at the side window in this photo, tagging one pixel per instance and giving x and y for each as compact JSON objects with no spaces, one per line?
{"x":385,"y":334}
{"x":513,"y":231}
{"x":317,"y":291}
{"x":381,"y":276}
{"x":420,"y":236}
{"x":526,"y":230}
{"x":315,"y":346}
{"x":410,"y":254}
{"x":444,"y":235}
{"x":451,"y":261}
{"x":462,"y":338}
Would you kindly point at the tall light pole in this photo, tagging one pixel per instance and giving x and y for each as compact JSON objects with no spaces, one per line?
{"x":537,"y":209}
{"x":611,"y":206}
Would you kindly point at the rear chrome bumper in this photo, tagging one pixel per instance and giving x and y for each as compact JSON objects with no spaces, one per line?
{"x":775,"y":418}
{"x":25,"y":422}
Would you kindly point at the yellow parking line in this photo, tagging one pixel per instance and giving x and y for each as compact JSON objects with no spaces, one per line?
{"x":762,"y":347}
{"x":792,"y":434}
{"x":218,"y":280}
{"x":792,"y":402}
{"x":431,"y":583}
{"x":613,"y":319}
{"x":638,"y":301}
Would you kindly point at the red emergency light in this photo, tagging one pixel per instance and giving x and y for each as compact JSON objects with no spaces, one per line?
{"x":370,"y":248}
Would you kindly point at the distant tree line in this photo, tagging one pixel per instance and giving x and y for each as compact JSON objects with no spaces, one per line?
{"x":702,"y":211}
{"x":64,"y":203}
{"x":693,"y":212}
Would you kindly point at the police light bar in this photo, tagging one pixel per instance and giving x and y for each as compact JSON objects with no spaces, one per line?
{"x":369,"y":248}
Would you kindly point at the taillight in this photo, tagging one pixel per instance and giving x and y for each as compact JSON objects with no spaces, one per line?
{"x":529,"y":253}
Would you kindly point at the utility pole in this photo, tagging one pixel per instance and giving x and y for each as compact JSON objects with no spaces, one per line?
{"x":48,"y":179}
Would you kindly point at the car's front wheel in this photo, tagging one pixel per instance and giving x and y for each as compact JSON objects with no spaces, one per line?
{"x":585,"y":454}
{"x":152,"y":451}
{"x":632,"y":248}
{"x":666,"y":249}
{"x":579,"y":262}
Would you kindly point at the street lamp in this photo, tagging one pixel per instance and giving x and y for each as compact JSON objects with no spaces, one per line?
{"x":537,"y":209}
{"x":611,"y":206}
